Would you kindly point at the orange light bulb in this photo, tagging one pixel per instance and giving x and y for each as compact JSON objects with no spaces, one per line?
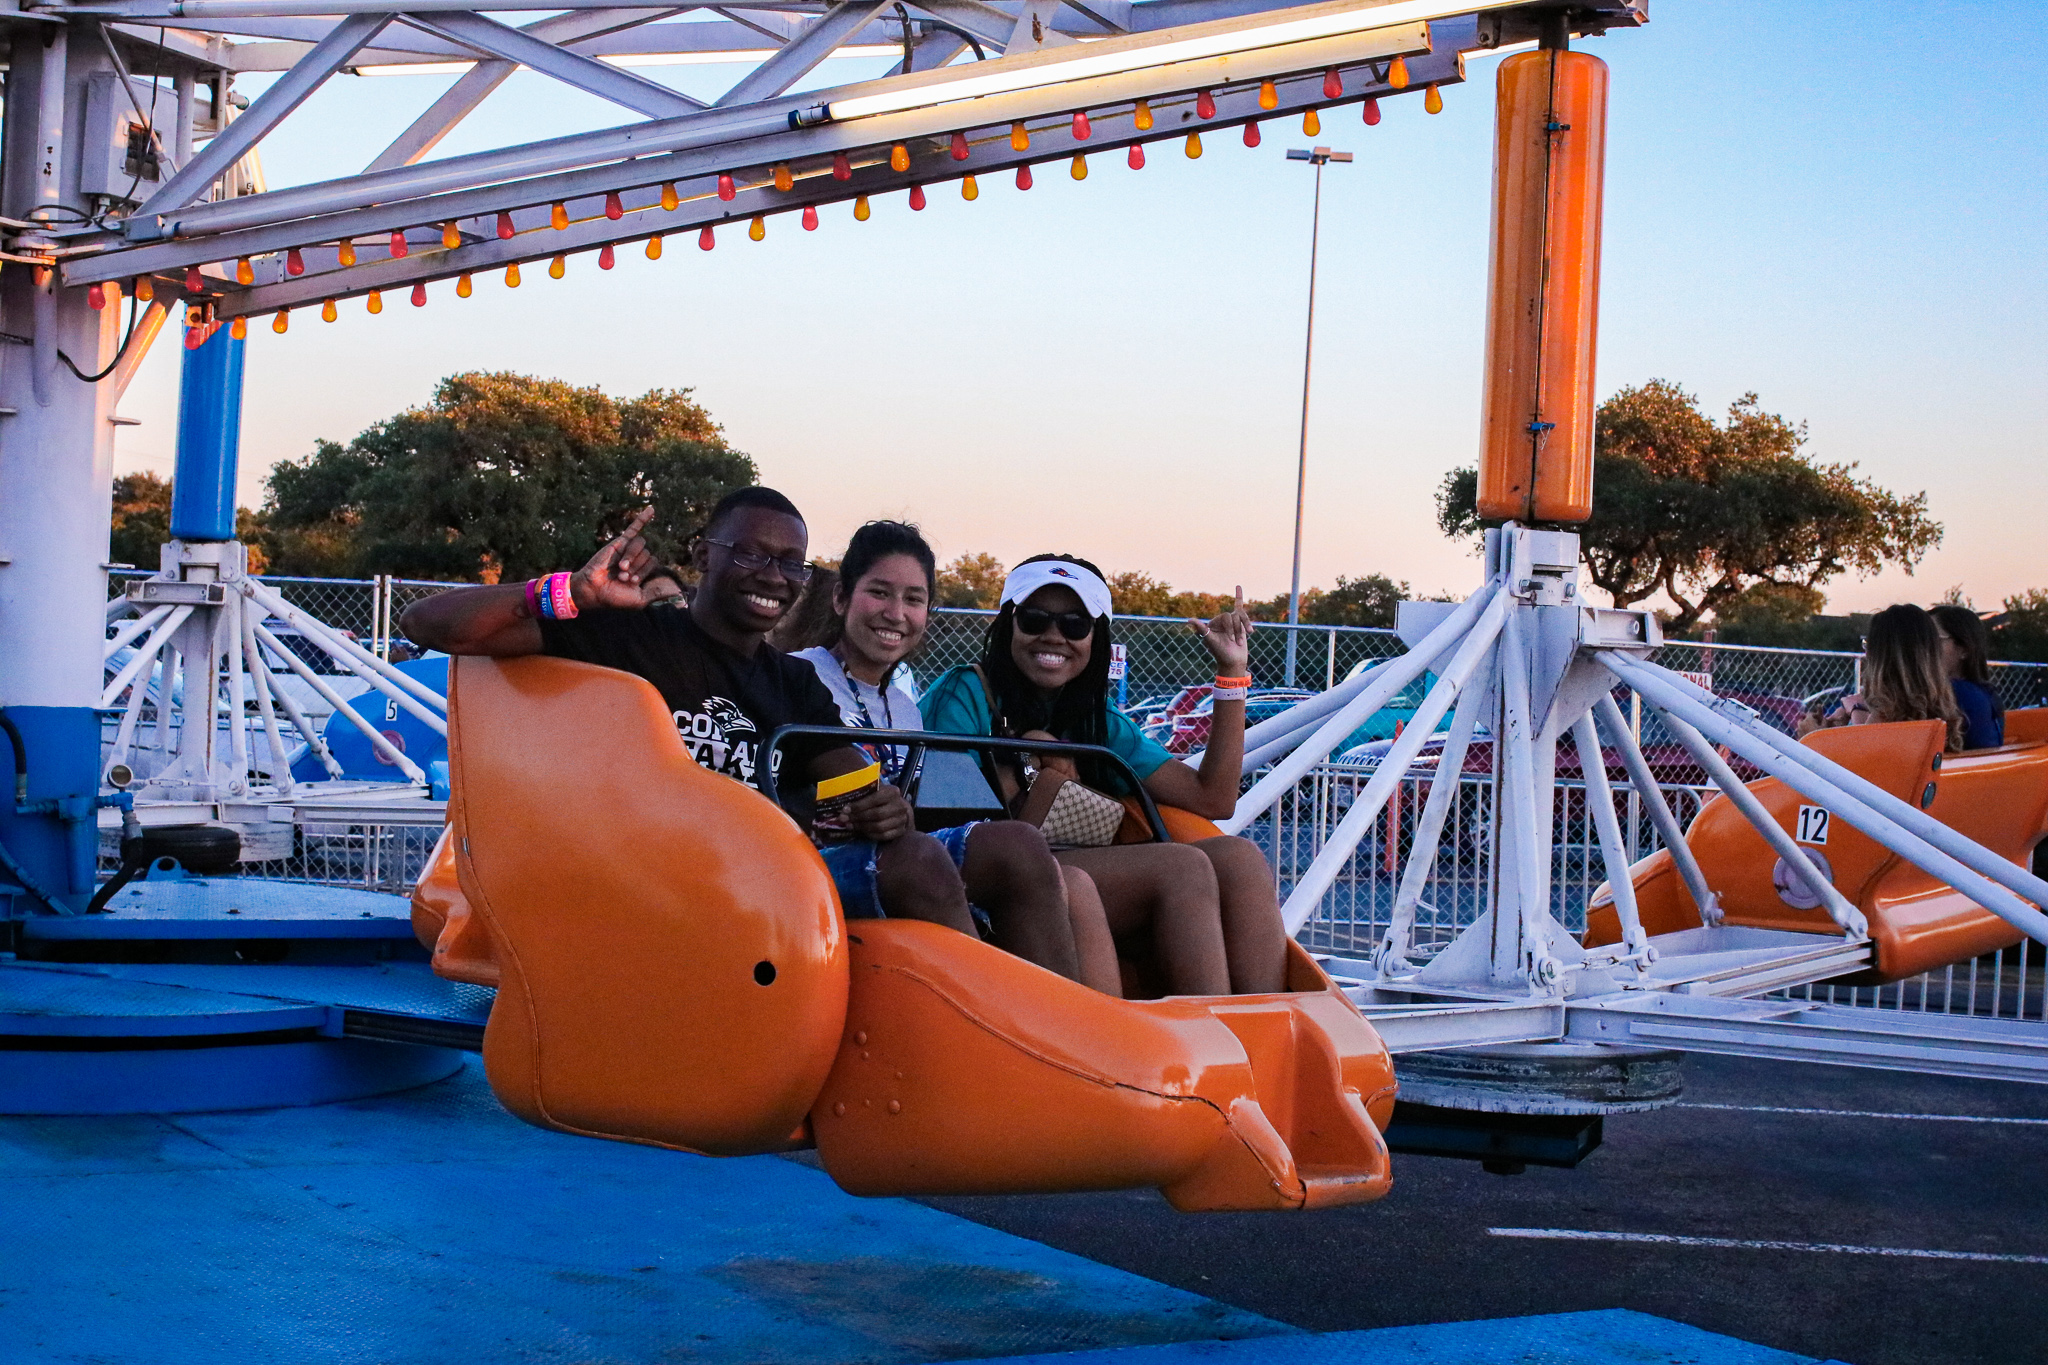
{"x":1397,"y":73}
{"x":328,"y":312}
{"x":463,"y":287}
{"x":784,"y":181}
{"x":1079,"y":170}
{"x":670,"y":200}
{"x":145,"y":289}
{"x":1141,"y":116}
{"x":969,"y":190}
{"x":899,"y":158}
{"x":1194,"y":145}
{"x":451,"y":236}
{"x":239,"y":329}
{"x":558,"y":217}
{"x":1311,"y":123}
{"x":757,"y":229}
{"x":345,"y":252}
{"x":244,"y":272}
{"x":1433,"y":102}
{"x":1269,"y":94}
{"x":558,"y":266}
{"x":1020,"y":140}
{"x":860,"y":208}
{"x":282,"y":321}
{"x":375,"y":303}
{"x":654,"y":248}
{"x":512,"y":275}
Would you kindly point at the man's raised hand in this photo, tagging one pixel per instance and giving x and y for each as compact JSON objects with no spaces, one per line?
{"x":612,"y":577}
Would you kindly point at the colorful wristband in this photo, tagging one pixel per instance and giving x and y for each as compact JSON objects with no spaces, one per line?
{"x":561,"y":600}
{"x":533,"y":598}
{"x":1231,"y":689}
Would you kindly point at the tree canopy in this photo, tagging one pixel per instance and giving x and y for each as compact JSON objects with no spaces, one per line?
{"x":500,"y":475}
{"x":1705,"y":512}
{"x":142,"y":523}
{"x":972,"y":581}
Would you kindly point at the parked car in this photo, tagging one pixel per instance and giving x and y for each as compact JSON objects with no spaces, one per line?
{"x":1190,"y":730}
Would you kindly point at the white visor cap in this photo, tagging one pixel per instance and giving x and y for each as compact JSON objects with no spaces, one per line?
{"x":1026,"y":579}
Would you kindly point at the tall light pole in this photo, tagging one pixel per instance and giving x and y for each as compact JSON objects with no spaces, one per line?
{"x":1316,"y":157}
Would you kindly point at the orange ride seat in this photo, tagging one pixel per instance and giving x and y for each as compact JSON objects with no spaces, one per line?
{"x":625,"y":898}
{"x":1997,"y":797}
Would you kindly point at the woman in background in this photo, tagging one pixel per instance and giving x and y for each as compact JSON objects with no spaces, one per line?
{"x":1966,"y":659}
{"x":1903,"y":677}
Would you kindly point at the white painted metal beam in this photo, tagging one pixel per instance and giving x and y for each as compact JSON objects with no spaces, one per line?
{"x":801,"y":54}
{"x":598,"y":78}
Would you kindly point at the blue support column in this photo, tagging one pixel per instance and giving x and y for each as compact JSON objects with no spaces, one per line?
{"x":56,"y":846}
{"x":209,"y":440}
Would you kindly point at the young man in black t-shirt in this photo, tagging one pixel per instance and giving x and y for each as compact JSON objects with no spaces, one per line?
{"x":729,"y":690}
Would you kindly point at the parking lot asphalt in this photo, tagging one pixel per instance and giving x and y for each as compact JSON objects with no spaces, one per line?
{"x":1803,"y":1224}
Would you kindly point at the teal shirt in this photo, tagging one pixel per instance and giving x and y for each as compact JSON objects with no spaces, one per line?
{"x":958,"y":705}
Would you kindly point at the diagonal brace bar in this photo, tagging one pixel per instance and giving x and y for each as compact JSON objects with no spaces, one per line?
{"x":571,"y":68}
{"x":270,"y":108}
{"x":819,"y":40}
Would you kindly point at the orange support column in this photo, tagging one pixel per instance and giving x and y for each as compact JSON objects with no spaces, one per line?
{"x":1536,"y":458}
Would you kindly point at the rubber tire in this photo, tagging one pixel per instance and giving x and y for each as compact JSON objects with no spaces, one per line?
{"x":203,"y":850}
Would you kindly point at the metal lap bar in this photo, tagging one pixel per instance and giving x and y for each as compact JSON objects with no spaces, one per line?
{"x":764,"y":770}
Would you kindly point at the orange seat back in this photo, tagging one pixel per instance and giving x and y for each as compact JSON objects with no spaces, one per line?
{"x":2027,"y":725}
{"x":445,"y":925}
{"x":1740,"y":865}
{"x":673,"y":963}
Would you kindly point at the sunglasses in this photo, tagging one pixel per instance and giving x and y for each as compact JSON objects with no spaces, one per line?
{"x":1075,"y":625}
{"x":747,"y":561}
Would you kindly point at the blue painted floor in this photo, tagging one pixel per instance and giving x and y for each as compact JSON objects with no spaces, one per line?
{"x":431,"y":1228}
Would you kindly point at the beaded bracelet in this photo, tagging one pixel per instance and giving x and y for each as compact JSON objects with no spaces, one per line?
{"x":1231,"y":689}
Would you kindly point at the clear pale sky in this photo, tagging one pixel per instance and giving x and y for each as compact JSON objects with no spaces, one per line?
{"x":1839,"y":206}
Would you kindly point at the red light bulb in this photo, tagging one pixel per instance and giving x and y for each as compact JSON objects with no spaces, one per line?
{"x":1333,"y":85}
{"x":1372,"y":111}
{"x":505,"y":228}
{"x":1137,"y":158}
{"x":917,"y":197}
{"x":194,"y":281}
{"x":1023,"y":177}
{"x":419,"y":294}
{"x":810,"y":217}
{"x":605,"y":259}
{"x":725,"y":188}
{"x":842,"y":169}
{"x":96,"y":297}
{"x":1251,"y":135}
{"x":1082,"y":132}
{"x":959,"y":146}
{"x":705,"y":240}
{"x":613,"y":209}
{"x":294,"y":263}
{"x":398,"y":247}
{"x":1205,"y":105}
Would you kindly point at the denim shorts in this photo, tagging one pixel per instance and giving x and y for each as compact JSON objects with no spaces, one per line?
{"x":852,"y":866}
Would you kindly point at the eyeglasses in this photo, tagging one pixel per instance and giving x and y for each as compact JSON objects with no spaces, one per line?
{"x":747,"y":561}
{"x":1075,"y":625}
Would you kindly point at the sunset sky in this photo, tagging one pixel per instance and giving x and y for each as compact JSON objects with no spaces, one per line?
{"x":1839,"y":206}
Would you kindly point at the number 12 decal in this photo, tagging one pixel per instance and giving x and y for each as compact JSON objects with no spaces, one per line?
{"x":1813,"y":825}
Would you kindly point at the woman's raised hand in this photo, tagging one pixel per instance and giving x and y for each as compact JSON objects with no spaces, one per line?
{"x":612,"y":577}
{"x":1228,"y":638}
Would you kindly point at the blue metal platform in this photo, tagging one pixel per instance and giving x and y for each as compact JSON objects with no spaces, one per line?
{"x":431,"y":1228}
{"x":185,"y":907}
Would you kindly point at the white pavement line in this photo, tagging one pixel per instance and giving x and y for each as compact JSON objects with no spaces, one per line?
{"x":1868,"y":1114}
{"x":1743,"y":1244}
